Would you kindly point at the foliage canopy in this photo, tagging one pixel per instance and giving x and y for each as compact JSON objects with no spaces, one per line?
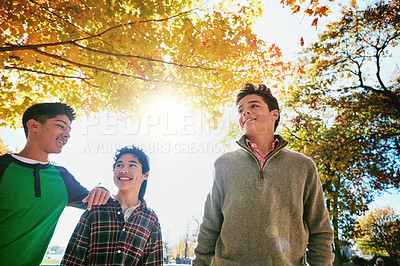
{"x":115,"y":55}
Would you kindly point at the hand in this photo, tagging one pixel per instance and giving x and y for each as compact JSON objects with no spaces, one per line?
{"x":98,"y":196}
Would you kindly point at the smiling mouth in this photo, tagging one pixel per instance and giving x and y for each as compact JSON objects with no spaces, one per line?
{"x":248,"y":120}
{"x":61,"y":142}
{"x":124,"y":178}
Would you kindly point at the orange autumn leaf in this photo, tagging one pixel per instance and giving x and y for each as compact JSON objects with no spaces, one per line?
{"x":309,"y":11}
{"x":315,"y":3}
{"x":353,"y":3}
{"x":295,"y":9}
{"x":322,"y":11}
{"x":315,"y":22}
{"x":301,"y":41}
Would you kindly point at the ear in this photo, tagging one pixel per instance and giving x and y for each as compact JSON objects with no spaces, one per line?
{"x":33,"y":125}
{"x":146,"y":175}
{"x":275,"y":114}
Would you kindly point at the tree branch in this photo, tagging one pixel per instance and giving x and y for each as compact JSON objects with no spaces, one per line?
{"x":50,"y":74}
{"x":30,"y":47}
{"x":88,"y":66}
{"x":149,"y":59}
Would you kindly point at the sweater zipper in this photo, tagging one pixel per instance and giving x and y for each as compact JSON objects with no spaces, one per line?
{"x":260,"y":169}
{"x":260,"y":173}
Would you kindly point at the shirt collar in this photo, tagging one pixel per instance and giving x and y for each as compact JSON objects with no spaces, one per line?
{"x":253,"y":147}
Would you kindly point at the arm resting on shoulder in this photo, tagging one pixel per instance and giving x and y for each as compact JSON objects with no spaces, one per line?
{"x":79,"y":196}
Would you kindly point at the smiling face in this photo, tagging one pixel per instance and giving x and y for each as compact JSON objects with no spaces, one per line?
{"x":128,"y":176}
{"x":255,"y":119}
{"x":52,"y":135}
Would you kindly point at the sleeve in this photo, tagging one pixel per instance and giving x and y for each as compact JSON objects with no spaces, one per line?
{"x":76,"y":192}
{"x":75,"y":253}
{"x":210,"y":228}
{"x":317,"y":218}
{"x":5,"y":160}
{"x":153,"y":252}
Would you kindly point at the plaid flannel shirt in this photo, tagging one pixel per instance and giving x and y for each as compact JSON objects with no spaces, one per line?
{"x":102,"y":237}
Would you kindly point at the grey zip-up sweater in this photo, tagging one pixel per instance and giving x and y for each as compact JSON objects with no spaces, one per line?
{"x":265,"y":216}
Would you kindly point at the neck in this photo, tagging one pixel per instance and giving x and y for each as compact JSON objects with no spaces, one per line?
{"x":263,"y":142}
{"x":33,"y":154}
{"x":127,"y":199}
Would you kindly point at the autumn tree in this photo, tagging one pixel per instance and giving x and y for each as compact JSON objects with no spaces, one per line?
{"x":115,"y":55}
{"x":348,"y":112}
{"x":378,"y":232}
{"x":312,"y":8}
{"x":4,"y":148}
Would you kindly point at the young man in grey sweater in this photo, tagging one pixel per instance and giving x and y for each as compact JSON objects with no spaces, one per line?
{"x":266,"y":206}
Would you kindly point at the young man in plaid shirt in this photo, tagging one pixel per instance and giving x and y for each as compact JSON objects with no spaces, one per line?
{"x":124,"y":231}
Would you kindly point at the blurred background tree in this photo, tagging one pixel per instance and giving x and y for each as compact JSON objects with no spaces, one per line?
{"x":378,"y":232}
{"x":346,"y":111}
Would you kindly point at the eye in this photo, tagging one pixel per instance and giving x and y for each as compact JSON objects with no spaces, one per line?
{"x":254,"y":105}
{"x":118,"y":165}
{"x":132,"y":165}
{"x":61,"y":126}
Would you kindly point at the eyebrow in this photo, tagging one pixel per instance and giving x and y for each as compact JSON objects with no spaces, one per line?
{"x":130,"y":161}
{"x":65,"y":123}
{"x":255,"y":101}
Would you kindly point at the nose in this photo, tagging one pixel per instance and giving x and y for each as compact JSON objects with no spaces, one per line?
{"x":245,"y":112}
{"x":67,"y":135}
{"x":124,"y":170}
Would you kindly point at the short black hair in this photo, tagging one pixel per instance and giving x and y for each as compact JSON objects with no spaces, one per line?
{"x":264,"y":92}
{"x":41,"y":112}
{"x":144,"y":160}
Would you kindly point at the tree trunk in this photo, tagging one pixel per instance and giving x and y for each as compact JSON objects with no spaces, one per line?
{"x":336,"y":242}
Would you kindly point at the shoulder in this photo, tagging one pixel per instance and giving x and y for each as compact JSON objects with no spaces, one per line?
{"x":147,"y":209}
{"x":151,"y":214}
{"x":231,"y":156}
{"x":65,"y":174}
{"x":111,"y":206}
{"x":60,"y":168}
{"x":5,"y":156}
{"x":5,"y":160}
{"x":296,"y":156}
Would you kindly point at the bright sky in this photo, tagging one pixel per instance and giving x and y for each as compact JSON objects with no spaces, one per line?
{"x":181,"y":151}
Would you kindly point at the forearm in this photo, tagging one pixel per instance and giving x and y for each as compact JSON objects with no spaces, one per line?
{"x":320,"y":230}
{"x":208,"y":233}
